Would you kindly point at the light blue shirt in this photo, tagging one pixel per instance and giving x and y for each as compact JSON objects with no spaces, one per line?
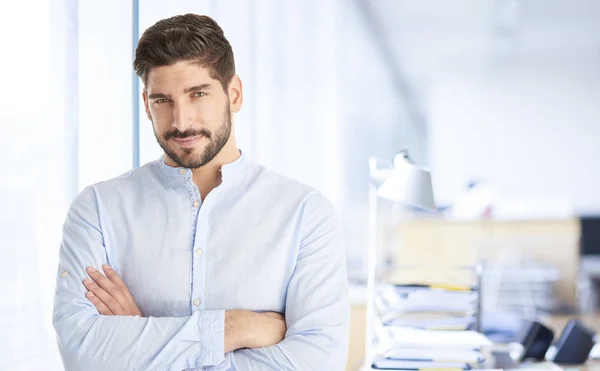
{"x":259,"y":241}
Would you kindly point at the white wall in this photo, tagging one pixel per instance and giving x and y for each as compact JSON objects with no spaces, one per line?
{"x":533,"y":129}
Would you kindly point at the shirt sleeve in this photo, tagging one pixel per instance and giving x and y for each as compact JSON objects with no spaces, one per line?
{"x":90,"y":341}
{"x":317,"y":304}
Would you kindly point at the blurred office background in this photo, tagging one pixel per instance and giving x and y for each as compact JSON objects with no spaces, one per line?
{"x":500,"y":92}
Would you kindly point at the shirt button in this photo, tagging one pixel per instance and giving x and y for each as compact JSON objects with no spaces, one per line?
{"x":64,"y":274}
{"x":182,"y":171}
{"x":196,"y":203}
{"x":196,"y":302}
{"x":199,"y":252}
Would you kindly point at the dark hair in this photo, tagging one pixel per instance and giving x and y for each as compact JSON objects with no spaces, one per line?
{"x":188,"y":37}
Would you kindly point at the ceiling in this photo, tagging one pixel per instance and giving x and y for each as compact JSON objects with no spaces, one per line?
{"x":423,"y":33}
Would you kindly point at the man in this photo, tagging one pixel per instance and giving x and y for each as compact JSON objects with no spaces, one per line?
{"x":200,"y":260}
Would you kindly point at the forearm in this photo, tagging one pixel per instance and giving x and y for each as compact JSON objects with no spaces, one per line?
{"x":236,"y":330}
{"x":89,"y":341}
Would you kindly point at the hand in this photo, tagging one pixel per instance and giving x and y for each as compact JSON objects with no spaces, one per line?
{"x":109,"y":294}
{"x":245,"y":329}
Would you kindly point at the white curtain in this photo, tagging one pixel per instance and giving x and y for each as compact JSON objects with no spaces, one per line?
{"x":36,"y":180}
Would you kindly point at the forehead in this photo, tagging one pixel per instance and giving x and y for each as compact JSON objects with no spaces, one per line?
{"x":178,"y":76}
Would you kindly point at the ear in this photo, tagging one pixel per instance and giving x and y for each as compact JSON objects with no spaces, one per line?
{"x":145,"y":97}
{"x":236,"y":97}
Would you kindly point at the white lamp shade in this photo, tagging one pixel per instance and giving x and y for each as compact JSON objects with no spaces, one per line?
{"x":410,"y":185}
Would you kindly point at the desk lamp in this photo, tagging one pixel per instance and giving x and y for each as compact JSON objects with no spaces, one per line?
{"x":406,"y":184}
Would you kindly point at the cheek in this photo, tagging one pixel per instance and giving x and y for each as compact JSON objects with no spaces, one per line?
{"x":161,"y":117}
{"x":211,"y":109}
{"x":202,"y":113}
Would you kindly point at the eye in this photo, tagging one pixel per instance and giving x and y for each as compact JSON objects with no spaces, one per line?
{"x":161,"y":100}
{"x":199,"y":94}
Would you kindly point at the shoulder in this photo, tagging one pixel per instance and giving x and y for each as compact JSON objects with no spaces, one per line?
{"x":283,"y":189}
{"x":286,"y":188}
{"x":126,"y":184}
{"x":132,"y":177}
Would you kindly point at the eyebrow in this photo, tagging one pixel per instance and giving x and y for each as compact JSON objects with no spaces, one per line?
{"x":197,"y":88}
{"x":186,"y":90}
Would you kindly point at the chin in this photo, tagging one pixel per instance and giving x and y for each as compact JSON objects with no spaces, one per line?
{"x":186,"y":152}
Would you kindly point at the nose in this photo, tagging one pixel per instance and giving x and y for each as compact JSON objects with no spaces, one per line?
{"x":182,"y":116}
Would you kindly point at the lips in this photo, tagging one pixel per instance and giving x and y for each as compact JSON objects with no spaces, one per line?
{"x":188,"y":141}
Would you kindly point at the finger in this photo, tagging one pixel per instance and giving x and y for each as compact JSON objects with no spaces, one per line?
{"x":106,"y":284}
{"x":110,"y":302}
{"x":116,"y":279}
{"x":102,"y":309}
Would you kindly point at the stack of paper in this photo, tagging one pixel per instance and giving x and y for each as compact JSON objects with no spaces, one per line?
{"x":436,"y":355}
{"x":426,"y":327}
{"x":419,"y":299}
{"x":394,"y":364}
{"x":429,"y":322}
{"x":404,"y":348}
{"x":411,"y":338}
{"x":427,"y":308}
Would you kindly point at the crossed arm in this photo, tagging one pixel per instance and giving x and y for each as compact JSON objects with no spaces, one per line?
{"x":90,"y":338}
{"x":243,"y":329}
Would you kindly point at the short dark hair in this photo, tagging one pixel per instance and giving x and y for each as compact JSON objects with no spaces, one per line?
{"x":188,"y":37}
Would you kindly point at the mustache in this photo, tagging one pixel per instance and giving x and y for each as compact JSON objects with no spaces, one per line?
{"x":176,"y":134}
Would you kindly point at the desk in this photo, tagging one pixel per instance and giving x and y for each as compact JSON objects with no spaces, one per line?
{"x":356,"y":352}
{"x":358,"y":314}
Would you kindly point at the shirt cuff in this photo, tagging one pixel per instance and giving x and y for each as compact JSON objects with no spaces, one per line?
{"x":212,"y":329}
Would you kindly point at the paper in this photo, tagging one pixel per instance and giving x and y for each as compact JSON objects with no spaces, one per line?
{"x":433,"y":323}
{"x":436,"y":355}
{"x":392,"y":364}
{"x":403,"y":299}
{"x":405,"y":337}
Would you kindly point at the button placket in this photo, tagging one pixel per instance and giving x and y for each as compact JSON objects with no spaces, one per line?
{"x":198,"y":264}
{"x":197,"y":286}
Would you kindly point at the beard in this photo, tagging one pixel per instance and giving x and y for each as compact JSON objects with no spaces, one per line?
{"x":188,"y":159}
